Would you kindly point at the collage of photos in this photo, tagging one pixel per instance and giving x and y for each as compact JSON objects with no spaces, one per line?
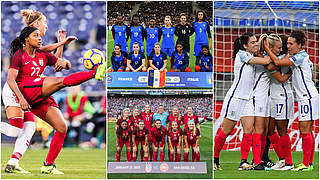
{"x":159,"y":89}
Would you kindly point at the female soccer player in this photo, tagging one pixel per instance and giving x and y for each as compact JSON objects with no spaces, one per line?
{"x":167,"y":45}
{"x":175,"y":117}
{"x":204,"y":60}
{"x":158,"y":59}
{"x":135,"y":118}
{"x":124,"y":137}
{"x":281,"y":104}
{"x":158,"y":134}
{"x":183,"y":31}
{"x":22,"y":123}
{"x":136,"y":33}
{"x":140,"y":136}
{"x":239,"y":95}
{"x":174,"y":141}
{"x":120,"y":34}
{"x":190,"y":116}
{"x":179,"y":60}
{"x":153,"y":34}
{"x":136,"y":60}
{"x":191,"y":139}
{"x":306,"y":92}
{"x":203,"y":35}
{"x":34,"y":93}
{"x":118,"y":59}
{"x":125,"y":116}
{"x":147,"y":117}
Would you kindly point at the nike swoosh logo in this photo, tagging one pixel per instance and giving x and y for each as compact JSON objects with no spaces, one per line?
{"x":27,"y":63}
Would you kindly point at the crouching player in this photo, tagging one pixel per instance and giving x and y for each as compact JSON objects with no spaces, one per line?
{"x":118,"y":59}
{"x":123,"y":137}
{"x":174,"y":142}
{"x":191,"y":139}
{"x":179,"y":59}
{"x":158,"y":134}
{"x":204,"y":60}
{"x":140,"y":136}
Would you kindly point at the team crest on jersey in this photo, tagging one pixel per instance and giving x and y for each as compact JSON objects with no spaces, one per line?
{"x":41,"y":61}
{"x":36,"y":80}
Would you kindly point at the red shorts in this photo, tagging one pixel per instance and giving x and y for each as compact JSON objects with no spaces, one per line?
{"x":142,"y":143}
{"x":122,"y":143}
{"x":174,"y":144}
{"x":156,"y":143}
{"x":32,"y":92}
{"x":192,"y":145}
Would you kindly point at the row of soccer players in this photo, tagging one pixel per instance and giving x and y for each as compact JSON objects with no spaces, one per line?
{"x":138,"y":129}
{"x":179,"y":60}
{"x":247,"y":100}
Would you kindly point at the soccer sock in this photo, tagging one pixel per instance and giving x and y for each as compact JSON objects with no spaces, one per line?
{"x":141,"y":153}
{"x":13,"y":129}
{"x":128,"y":156}
{"x":275,"y":143}
{"x":78,"y":78}
{"x":161,"y":156}
{"x":155,"y":154}
{"x":219,"y":142}
{"x":146,"y":159}
{"x":178,"y":159}
{"x":197,"y":156}
{"x":307,"y":148}
{"x":118,"y":156}
{"x":55,"y":147}
{"x":170,"y":157}
{"x":22,"y":142}
{"x":263,"y":145}
{"x":134,"y":158}
{"x":186,"y":157}
{"x":256,"y":148}
{"x":246,"y":145}
{"x":285,"y":147}
{"x":313,"y":146}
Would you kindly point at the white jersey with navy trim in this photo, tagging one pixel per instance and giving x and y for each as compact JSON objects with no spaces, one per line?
{"x":261,"y":82}
{"x":243,"y":82}
{"x":302,"y":76}
{"x":280,"y":90}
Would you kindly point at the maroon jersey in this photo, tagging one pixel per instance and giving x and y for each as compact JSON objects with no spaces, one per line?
{"x":147,"y":118}
{"x":191,"y":137}
{"x":121,"y":119}
{"x":175,"y":135}
{"x":172,"y":118}
{"x":30,"y":68}
{"x":134,"y":121}
{"x":186,"y":118}
{"x":159,"y":134}
{"x":140,"y":135}
{"x":123,"y":135}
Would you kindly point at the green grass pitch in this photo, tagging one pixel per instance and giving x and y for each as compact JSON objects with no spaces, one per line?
{"x":76,"y":163}
{"x":192,"y":59}
{"x":205,"y":156}
{"x":230,"y":160}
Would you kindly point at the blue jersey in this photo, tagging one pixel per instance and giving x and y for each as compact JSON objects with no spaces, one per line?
{"x":167,"y":37}
{"x":203,"y":61}
{"x":158,"y":61}
{"x":136,"y":34}
{"x":120,"y":33}
{"x":180,"y":61}
{"x":153,"y":36}
{"x":117,"y":62}
{"x":202,"y":31}
{"x":136,"y":61}
{"x":163,"y":117}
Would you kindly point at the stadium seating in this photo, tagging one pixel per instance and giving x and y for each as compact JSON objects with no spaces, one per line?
{"x":78,"y":18}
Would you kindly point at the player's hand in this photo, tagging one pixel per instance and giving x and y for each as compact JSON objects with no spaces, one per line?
{"x":171,"y":150}
{"x":62,"y":64}
{"x":69,"y":39}
{"x":207,"y":67}
{"x":62,"y":34}
{"x":266,"y":45}
{"x":134,"y":148}
{"x":24,"y":104}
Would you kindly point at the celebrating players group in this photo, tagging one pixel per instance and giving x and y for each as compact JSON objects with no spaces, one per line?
{"x":150,"y":130}
{"x":157,"y":53}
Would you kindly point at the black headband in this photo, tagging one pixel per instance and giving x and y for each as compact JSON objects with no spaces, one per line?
{"x":26,"y":32}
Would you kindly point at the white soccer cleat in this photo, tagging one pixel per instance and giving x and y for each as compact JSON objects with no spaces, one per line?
{"x":280,"y":164}
{"x":286,"y":168}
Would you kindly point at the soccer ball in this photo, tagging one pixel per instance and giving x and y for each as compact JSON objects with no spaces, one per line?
{"x":93,"y":58}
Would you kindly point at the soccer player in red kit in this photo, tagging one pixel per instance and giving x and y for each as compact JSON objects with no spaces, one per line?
{"x":123,"y":138}
{"x":147,"y":117}
{"x":34,"y":92}
{"x":175,"y":116}
{"x":174,"y":141}
{"x":158,"y":134}
{"x":191,"y":139}
{"x":140,"y":136}
{"x":135,"y":118}
{"x":190,"y":116}
{"x":125,"y":116}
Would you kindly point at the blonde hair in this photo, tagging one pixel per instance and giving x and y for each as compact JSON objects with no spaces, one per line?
{"x":30,"y":16}
{"x":272,"y":38}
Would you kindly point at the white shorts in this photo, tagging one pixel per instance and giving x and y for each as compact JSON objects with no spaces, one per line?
{"x":232,"y":108}
{"x":248,"y":109}
{"x":8,"y":97}
{"x":309,"y":109}
{"x":282,"y":109}
{"x":261,"y":106}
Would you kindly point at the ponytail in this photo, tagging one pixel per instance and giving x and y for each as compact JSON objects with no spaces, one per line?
{"x":239,"y":42}
{"x":18,"y":42}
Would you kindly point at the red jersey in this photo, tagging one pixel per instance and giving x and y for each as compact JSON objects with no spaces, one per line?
{"x":123,"y":135}
{"x":30,"y":68}
{"x":186,"y":118}
{"x":140,"y":135}
{"x":147,"y":118}
{"x":175,"y":135}
{"x":191,"y":137}
{"x":158,"y":134}
{"x":172,"y":118}
{"x":134,"y":121}
{"x":121,"y":119}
